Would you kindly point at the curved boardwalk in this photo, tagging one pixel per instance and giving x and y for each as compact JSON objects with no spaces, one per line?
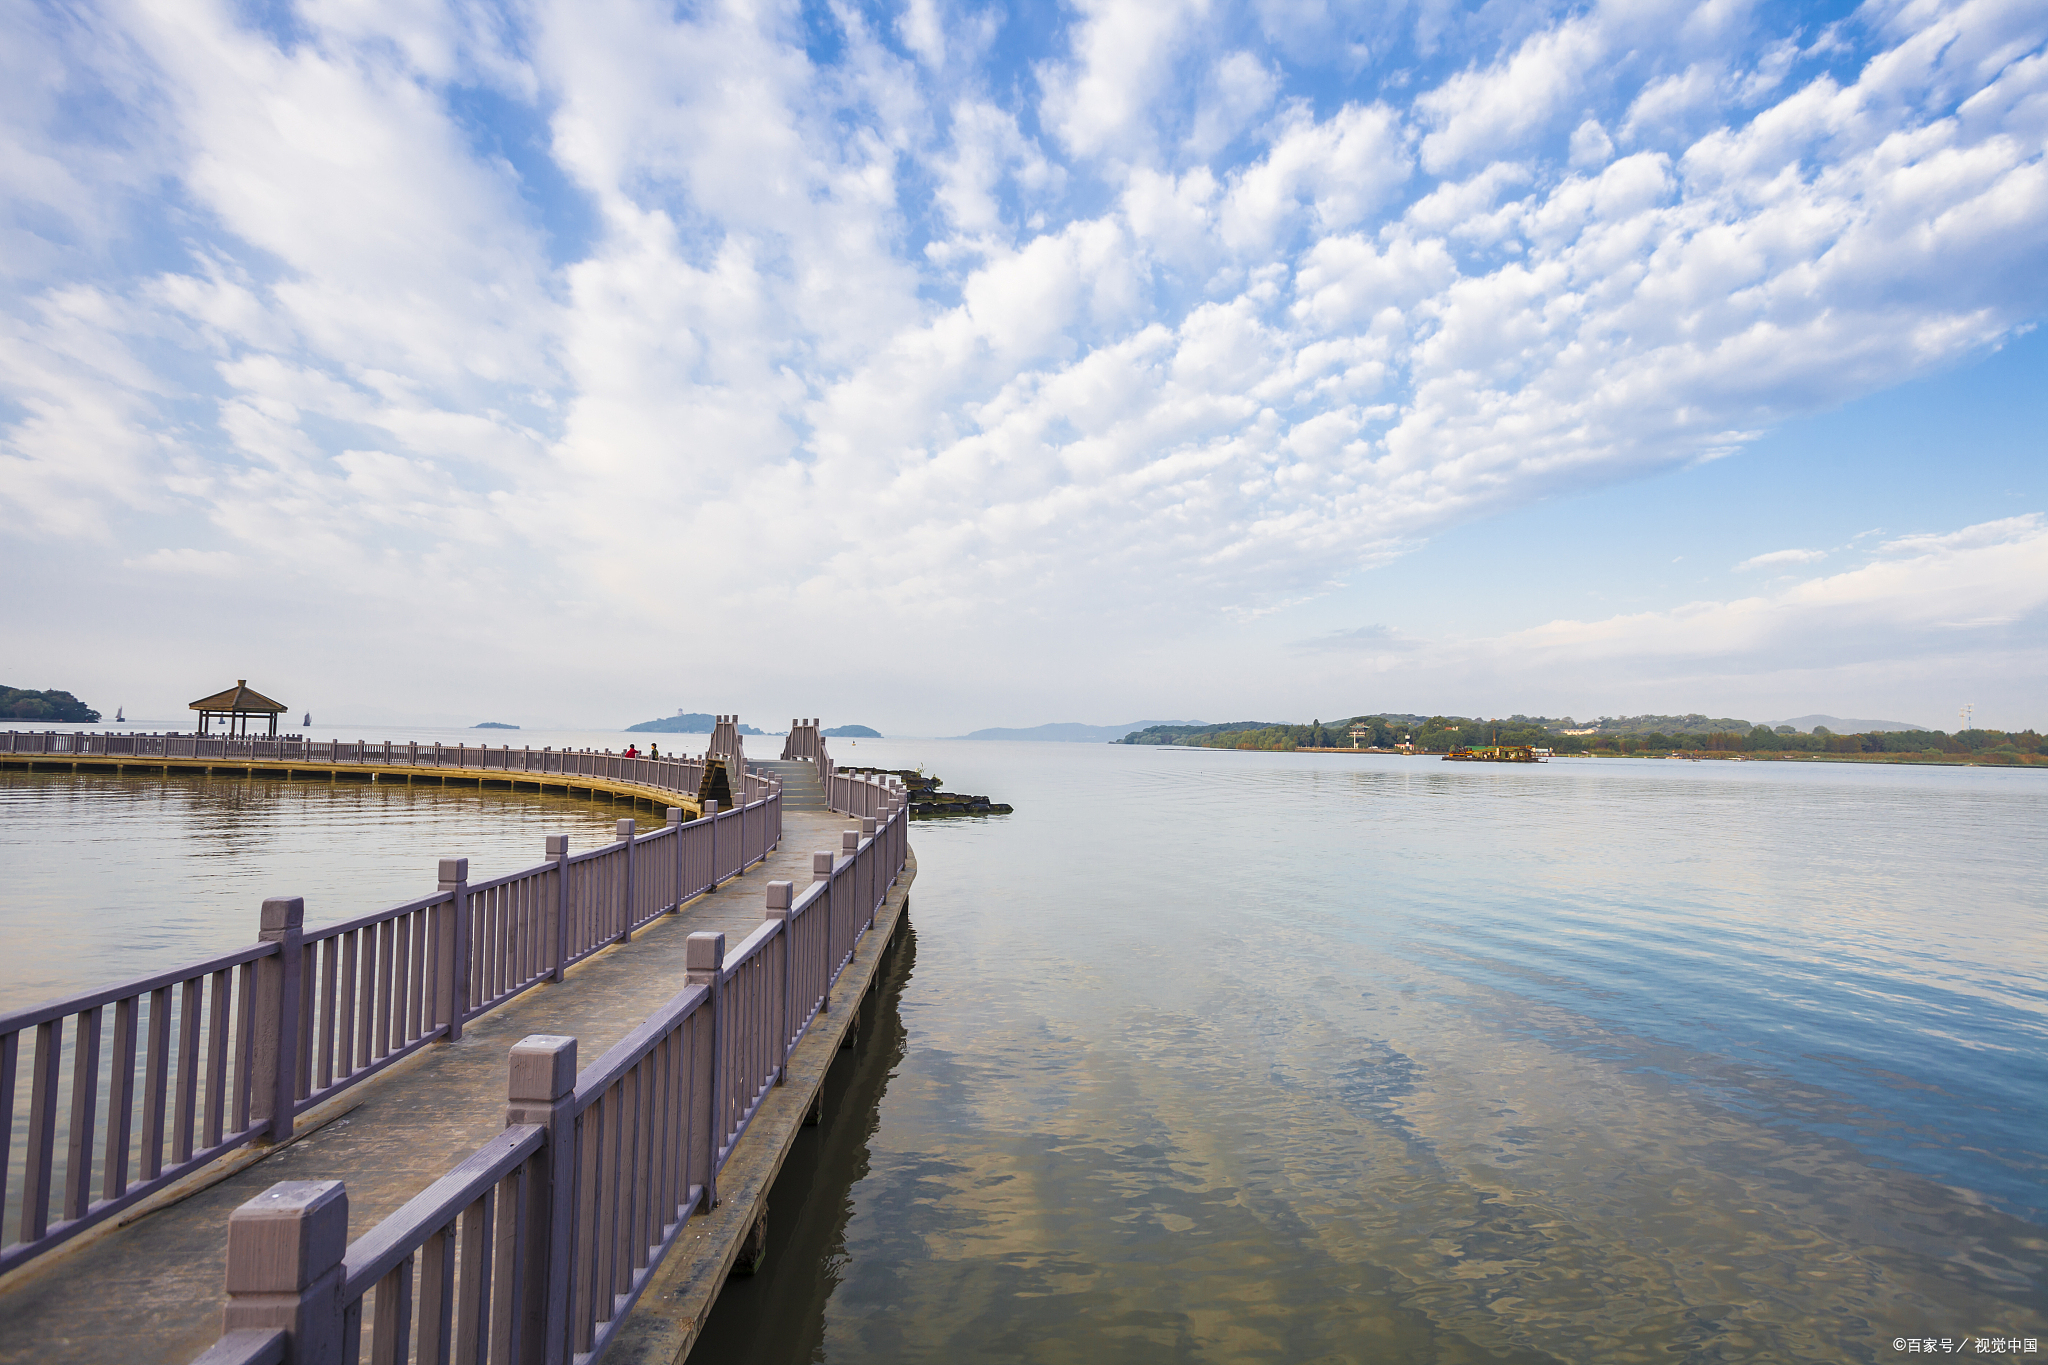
{"x":149,"y":1290}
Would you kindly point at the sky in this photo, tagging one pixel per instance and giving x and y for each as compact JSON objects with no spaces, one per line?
{"x":936,"y":366}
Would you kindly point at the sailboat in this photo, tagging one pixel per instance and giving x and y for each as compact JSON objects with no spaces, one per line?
{"x":307,"y":723}
{"x":119,"y":719}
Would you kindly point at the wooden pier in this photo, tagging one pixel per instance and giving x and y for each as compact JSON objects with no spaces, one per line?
{"x":471,"y":1187}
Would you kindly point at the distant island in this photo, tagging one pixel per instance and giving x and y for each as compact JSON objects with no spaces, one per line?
{"x":492,"y":725}
{"x":1726,"y":736}
{"x":1073,"y":732}
{"x":24,"y":703}
{"x":851,"y":732}
{"x":684,"y":723}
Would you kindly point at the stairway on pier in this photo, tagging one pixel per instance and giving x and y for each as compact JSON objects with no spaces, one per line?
{"x":802,"y":788}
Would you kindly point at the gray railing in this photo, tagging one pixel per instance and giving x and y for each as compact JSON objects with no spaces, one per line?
{"x":534,"y":1249}
{"x":803,"y":741}
{"x":678,"y":776}
{"x":171,"y":1071}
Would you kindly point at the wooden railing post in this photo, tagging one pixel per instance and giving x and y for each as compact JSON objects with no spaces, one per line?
{"x":285,"y":1250}
{"x":704,"y":965}
{"x":542,"y":1089}
{"x":274,"y":1094}
{"x":821,"y":871}
{"x":558,"y":854}
{"x":625,"y":833}
{"x":711,"y":814}
{"x":871,"y":891}
{"x":780,"y":895}
{"x":849,"y":849}
{"x":675,"y":843}
{"x":455,"y":943}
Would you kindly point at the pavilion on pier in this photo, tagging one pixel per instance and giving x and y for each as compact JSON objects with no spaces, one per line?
{"x":239,"y":706}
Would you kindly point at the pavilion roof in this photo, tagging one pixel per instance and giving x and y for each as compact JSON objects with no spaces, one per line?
{"x":240,"y":697}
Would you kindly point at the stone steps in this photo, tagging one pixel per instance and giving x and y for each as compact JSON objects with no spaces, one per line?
{"x":801,"y":789}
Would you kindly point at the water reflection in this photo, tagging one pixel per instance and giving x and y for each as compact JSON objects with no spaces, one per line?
{"x":777,"y":1314}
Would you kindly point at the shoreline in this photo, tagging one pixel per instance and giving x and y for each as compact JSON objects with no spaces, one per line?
{"x":1664,"y":755}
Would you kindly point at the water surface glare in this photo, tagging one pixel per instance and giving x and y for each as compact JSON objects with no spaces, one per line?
{"x":1221,"y":1056}
{"x":1266,"y":1057}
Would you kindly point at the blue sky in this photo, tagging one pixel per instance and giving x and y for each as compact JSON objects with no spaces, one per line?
{"x":1050,"y":361}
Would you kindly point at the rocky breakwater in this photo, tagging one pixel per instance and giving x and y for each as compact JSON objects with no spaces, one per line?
{"x":927,"y":799}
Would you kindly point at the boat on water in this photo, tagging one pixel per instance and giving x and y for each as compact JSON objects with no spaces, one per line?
{"x":119,"y":719}
{"x":1493,"y":753}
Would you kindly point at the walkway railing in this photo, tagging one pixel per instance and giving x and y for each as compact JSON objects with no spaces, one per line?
{"x":534,"y":1250}
{"x":136,"y":1085}
{"x":681,"y":776}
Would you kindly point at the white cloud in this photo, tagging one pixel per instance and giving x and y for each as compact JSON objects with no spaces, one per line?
{"x":1123,"y":53}
{"x":1484,"y":113}
{"x":1947,"y":610}
{"x":882,"y":330}
{"x":1781,"y":557}
{"x":1590,"y":147}
{"x":200,"y":563}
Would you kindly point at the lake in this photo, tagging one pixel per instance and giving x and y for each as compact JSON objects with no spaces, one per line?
{"x":1290,"y":1057}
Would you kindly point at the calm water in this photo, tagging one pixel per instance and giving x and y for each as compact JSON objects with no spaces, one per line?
{"x":1206,"y":1056}
{"x":115,"y":877}
{"x":1209,"y":1056}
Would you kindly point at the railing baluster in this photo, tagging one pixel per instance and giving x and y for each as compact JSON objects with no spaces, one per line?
{"x":40,"y":1153}
{"x":508,"y":1262}
{"x":589,"y":1256}
{"x":245,"y":1046}
{"x":401,"y":980}
{"x":185,"y":1115}
{"x":85,"y":1094}
{"x":10,"y":1057}
{"x":355,"y":1002}
{"x":120,"y":1101}
{"x":382,"y":980}
{"x":437,"y":1298}
{"x":329,"y":949}
{"x":632,"y":1188}
{"x":416,"y":988}
{"x":309,"y":978}
{"x":607,"y":1194}
{"x":473,"y":1302}
{"x":392,"y":1344}
{"x":217,"y":1039}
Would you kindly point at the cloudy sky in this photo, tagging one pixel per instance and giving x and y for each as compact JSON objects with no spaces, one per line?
{"x":938,"y":365}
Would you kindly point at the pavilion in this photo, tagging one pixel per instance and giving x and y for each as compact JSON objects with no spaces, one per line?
{"x":238,"y":706}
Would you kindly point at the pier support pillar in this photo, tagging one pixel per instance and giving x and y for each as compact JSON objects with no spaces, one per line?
{"x":753,"y":1252}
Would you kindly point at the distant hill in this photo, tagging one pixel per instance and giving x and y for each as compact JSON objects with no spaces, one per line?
{"x":22,"y":703}
{"x":684,"y":723}
{"x":492,"y":725}
{"x":1841,"y":726}
{"x":851,"y":732}
{"x":1074,"y":732}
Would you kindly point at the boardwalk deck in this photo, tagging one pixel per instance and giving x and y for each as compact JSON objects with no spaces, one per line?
{"x":150,"y":1292}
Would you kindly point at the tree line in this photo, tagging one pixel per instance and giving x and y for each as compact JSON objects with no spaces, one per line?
{"x":1441,"y":734}
{"x":23,"y":703}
